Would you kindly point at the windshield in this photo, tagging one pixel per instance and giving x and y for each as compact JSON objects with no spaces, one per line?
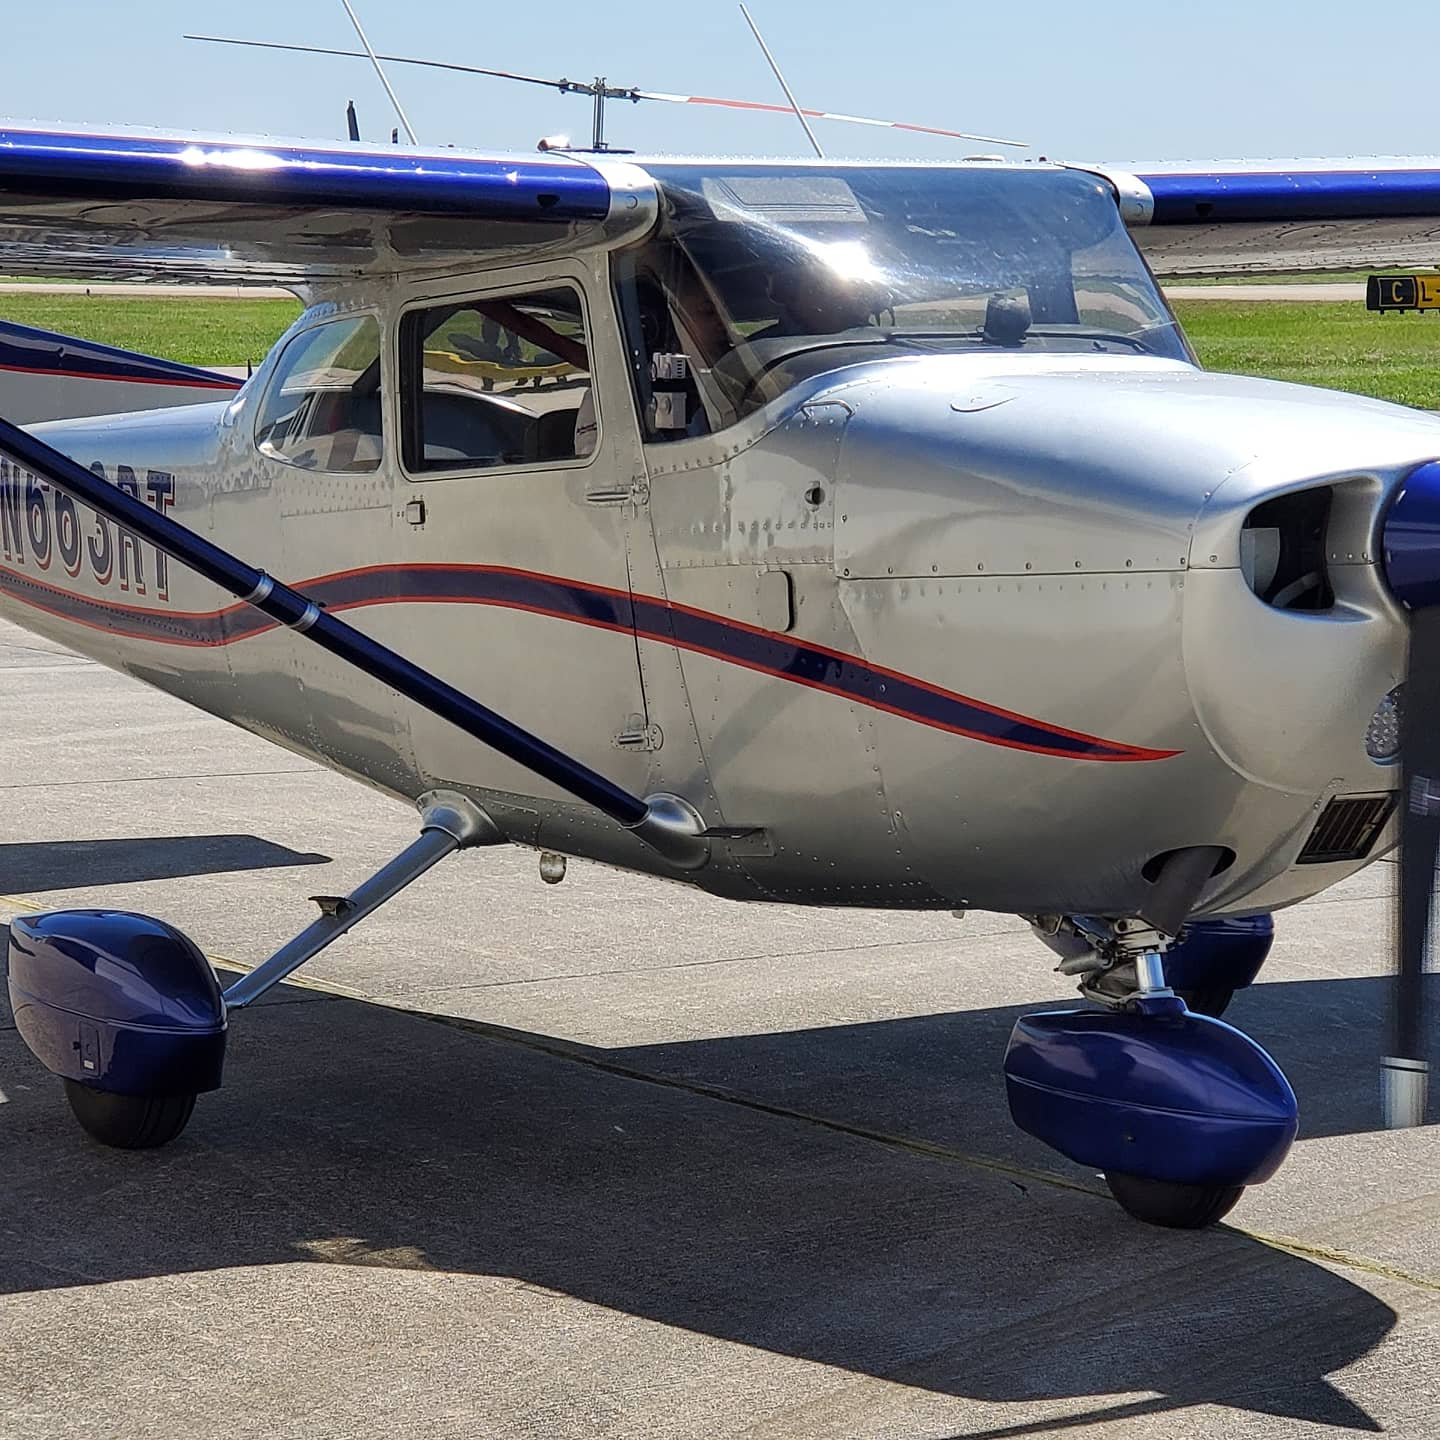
{"x":759,"y":276}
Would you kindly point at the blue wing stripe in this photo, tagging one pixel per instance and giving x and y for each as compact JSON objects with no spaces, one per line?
{"x":1217,"y":196}
{"x":169,"y":167}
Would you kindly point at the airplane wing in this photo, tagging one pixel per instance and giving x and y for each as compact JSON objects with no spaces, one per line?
{"x":1272,"y":216}
{"x":152,"y":205}
{"x":146,"y":204}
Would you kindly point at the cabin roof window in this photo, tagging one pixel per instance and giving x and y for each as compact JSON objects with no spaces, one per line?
{"x":322,"y":407}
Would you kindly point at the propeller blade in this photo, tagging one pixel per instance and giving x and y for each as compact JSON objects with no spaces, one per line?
{"x":1412,"y":569}
{"x":1405,"y":1066}
{"x":826,"y":115}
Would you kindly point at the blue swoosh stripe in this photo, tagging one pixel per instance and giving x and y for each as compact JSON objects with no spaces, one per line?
{"x":783,"y":656}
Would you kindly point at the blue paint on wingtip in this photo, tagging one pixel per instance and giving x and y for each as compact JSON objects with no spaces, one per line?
{"x":239,"y":171}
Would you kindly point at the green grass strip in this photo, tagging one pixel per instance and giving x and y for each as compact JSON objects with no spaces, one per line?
{"x":195,"y":332}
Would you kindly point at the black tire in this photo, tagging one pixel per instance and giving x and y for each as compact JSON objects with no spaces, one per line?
{"x":129,"y":1122}
{"x":1178,"y":1207}
{"x":1212,"y":1000}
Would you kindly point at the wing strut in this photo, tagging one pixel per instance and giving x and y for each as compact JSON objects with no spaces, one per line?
{"x":665,"y":822}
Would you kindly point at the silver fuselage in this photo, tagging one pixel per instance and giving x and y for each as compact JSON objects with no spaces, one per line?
{"x":1052,"y":537}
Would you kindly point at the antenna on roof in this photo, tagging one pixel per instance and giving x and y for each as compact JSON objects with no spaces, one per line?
{"x":352,"y":120}
{"x":794,"y":103}
{"x":379,"y":70}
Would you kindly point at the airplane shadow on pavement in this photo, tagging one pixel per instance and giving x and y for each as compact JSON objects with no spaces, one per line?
{"x":73,"y":864}
{"x":365,"y":1135}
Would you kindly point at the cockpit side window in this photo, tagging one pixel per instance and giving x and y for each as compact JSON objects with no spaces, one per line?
{"x":497,"y":380}
{"x":322,"y":409}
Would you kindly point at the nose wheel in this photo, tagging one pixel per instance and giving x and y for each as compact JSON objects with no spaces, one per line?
{"x":1177,"y":1207}
{"x":1179,"y":1111}
{"x":129,"y":1122}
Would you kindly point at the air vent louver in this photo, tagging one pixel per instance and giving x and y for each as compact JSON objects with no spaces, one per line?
{"x":1347,"y":829}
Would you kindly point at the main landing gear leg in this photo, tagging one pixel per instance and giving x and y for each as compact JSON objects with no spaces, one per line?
{"x":1178,"y":1110}
{"x":448,"y":823}
{"x":128,"y":1012}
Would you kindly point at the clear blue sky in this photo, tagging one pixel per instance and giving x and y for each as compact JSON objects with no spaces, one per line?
{"x":1108,"y":79}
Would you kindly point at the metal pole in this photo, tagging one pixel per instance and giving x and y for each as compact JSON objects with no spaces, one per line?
{"x":794,"y":104}
{"x":597,"y":126}
{"x":409,"y":865}
{"x":379,"y":70}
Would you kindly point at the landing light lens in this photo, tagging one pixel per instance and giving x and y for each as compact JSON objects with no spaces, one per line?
{"x":1382,"y":735}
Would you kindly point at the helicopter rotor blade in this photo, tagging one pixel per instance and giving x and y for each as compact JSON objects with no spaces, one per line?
{"x":388,"y":59}
{"x":827,"y":115}
{"x":618,"y":93}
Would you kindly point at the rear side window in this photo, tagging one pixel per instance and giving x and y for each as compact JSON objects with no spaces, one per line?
{"x":497,"y":381}
{"x":322,"y":408}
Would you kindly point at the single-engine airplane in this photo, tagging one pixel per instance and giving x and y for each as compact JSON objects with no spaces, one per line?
{"x":833,"y":534}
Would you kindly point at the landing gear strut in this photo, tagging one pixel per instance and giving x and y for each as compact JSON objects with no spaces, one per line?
{"x":128,"y":1013}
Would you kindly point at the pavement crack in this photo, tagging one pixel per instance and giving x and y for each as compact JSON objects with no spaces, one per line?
{"x":596,"y":1060}
{"x":76,"y":662}
{"x":156,"y":779}
{"x":1331,"y":1254}
{"x":690,"y":964}
{"x":1020,"y":1176}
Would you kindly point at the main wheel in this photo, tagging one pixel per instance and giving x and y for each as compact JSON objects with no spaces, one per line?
{"x":129,"y":1122}
{"x":1180,"y":1207}
{"x":1212,"y":1000}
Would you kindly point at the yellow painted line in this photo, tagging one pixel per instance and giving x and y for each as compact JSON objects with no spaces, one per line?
{"x":595,"y":1059}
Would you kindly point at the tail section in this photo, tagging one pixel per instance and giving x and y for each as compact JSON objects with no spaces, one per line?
{"x":47,"y":376}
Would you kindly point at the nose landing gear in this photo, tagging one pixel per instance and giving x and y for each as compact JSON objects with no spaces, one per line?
{"x":1179,"y":1110}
